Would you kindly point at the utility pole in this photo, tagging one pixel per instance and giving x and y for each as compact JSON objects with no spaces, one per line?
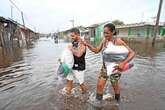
{"x":35,"y":29}
{"x":72,"y":21}
{"x":11,"y":12}
{"x":157,"y":23}
{"x":142,"y":17}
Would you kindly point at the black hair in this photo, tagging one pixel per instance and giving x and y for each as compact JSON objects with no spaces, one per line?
{"x":75,"y":30}
{"x":111,"y":28}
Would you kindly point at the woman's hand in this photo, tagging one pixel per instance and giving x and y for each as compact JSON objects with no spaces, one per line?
{"x":120,"y":66}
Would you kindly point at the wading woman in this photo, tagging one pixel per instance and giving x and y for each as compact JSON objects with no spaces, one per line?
{"x":116,"y":54}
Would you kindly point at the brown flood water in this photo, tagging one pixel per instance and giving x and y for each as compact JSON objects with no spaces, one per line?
{"x":28,"y":79}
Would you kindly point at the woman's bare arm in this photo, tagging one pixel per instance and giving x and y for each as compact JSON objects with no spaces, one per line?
{"x":131,"y":53}
{"x":95,"y":49}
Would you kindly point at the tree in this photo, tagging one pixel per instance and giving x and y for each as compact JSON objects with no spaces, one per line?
{"x":117,"y":22}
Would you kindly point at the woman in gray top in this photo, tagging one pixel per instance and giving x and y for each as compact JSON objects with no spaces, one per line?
{"x":114,"y":52}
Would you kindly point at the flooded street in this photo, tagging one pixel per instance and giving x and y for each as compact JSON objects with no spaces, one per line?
{"x":28,"y":79}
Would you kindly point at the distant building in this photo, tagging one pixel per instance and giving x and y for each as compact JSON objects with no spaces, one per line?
{"x":129,"y":30}
{"x":96,"y":32}
{"x":137,"y":30}
{"x":66,"y":34}
{"x":140,"y":30}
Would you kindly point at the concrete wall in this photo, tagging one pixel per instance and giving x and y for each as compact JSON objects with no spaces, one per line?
{"x":123,"y":32}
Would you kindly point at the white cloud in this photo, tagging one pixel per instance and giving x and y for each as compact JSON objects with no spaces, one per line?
{"x":51,"y":15}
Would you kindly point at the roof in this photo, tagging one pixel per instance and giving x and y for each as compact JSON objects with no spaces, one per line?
{"x":4,"y":20}
{"x":81,"y":28}
{"x":98,"y":24}
{"x":139,"y":25}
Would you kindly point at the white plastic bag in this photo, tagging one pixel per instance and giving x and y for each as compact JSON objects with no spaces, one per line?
{"x":67,"y":57}
{"x":110,"y":68}
{"x":66,"y":63}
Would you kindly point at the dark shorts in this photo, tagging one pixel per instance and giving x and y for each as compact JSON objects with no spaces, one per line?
{"x":113,"y":77}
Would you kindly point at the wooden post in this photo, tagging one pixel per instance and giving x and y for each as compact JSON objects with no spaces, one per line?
{"x":2,"y":31}
{"x":11,"y":12}
{"x":23,"y":19}
{"x":1,"y":39}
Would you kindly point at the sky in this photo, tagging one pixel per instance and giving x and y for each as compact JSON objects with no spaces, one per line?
{"x":55,"y":15}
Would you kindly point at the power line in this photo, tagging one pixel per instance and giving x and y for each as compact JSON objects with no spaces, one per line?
{"x":14,"y":5}
{"x":22,"y":13}
{"x":18,"y":10}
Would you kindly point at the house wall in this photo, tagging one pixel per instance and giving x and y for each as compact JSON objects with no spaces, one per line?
{"x":162,"y":31}
{"x":140,"y":31}
{"x":99,"y":33}
{"x":123,"y":32}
